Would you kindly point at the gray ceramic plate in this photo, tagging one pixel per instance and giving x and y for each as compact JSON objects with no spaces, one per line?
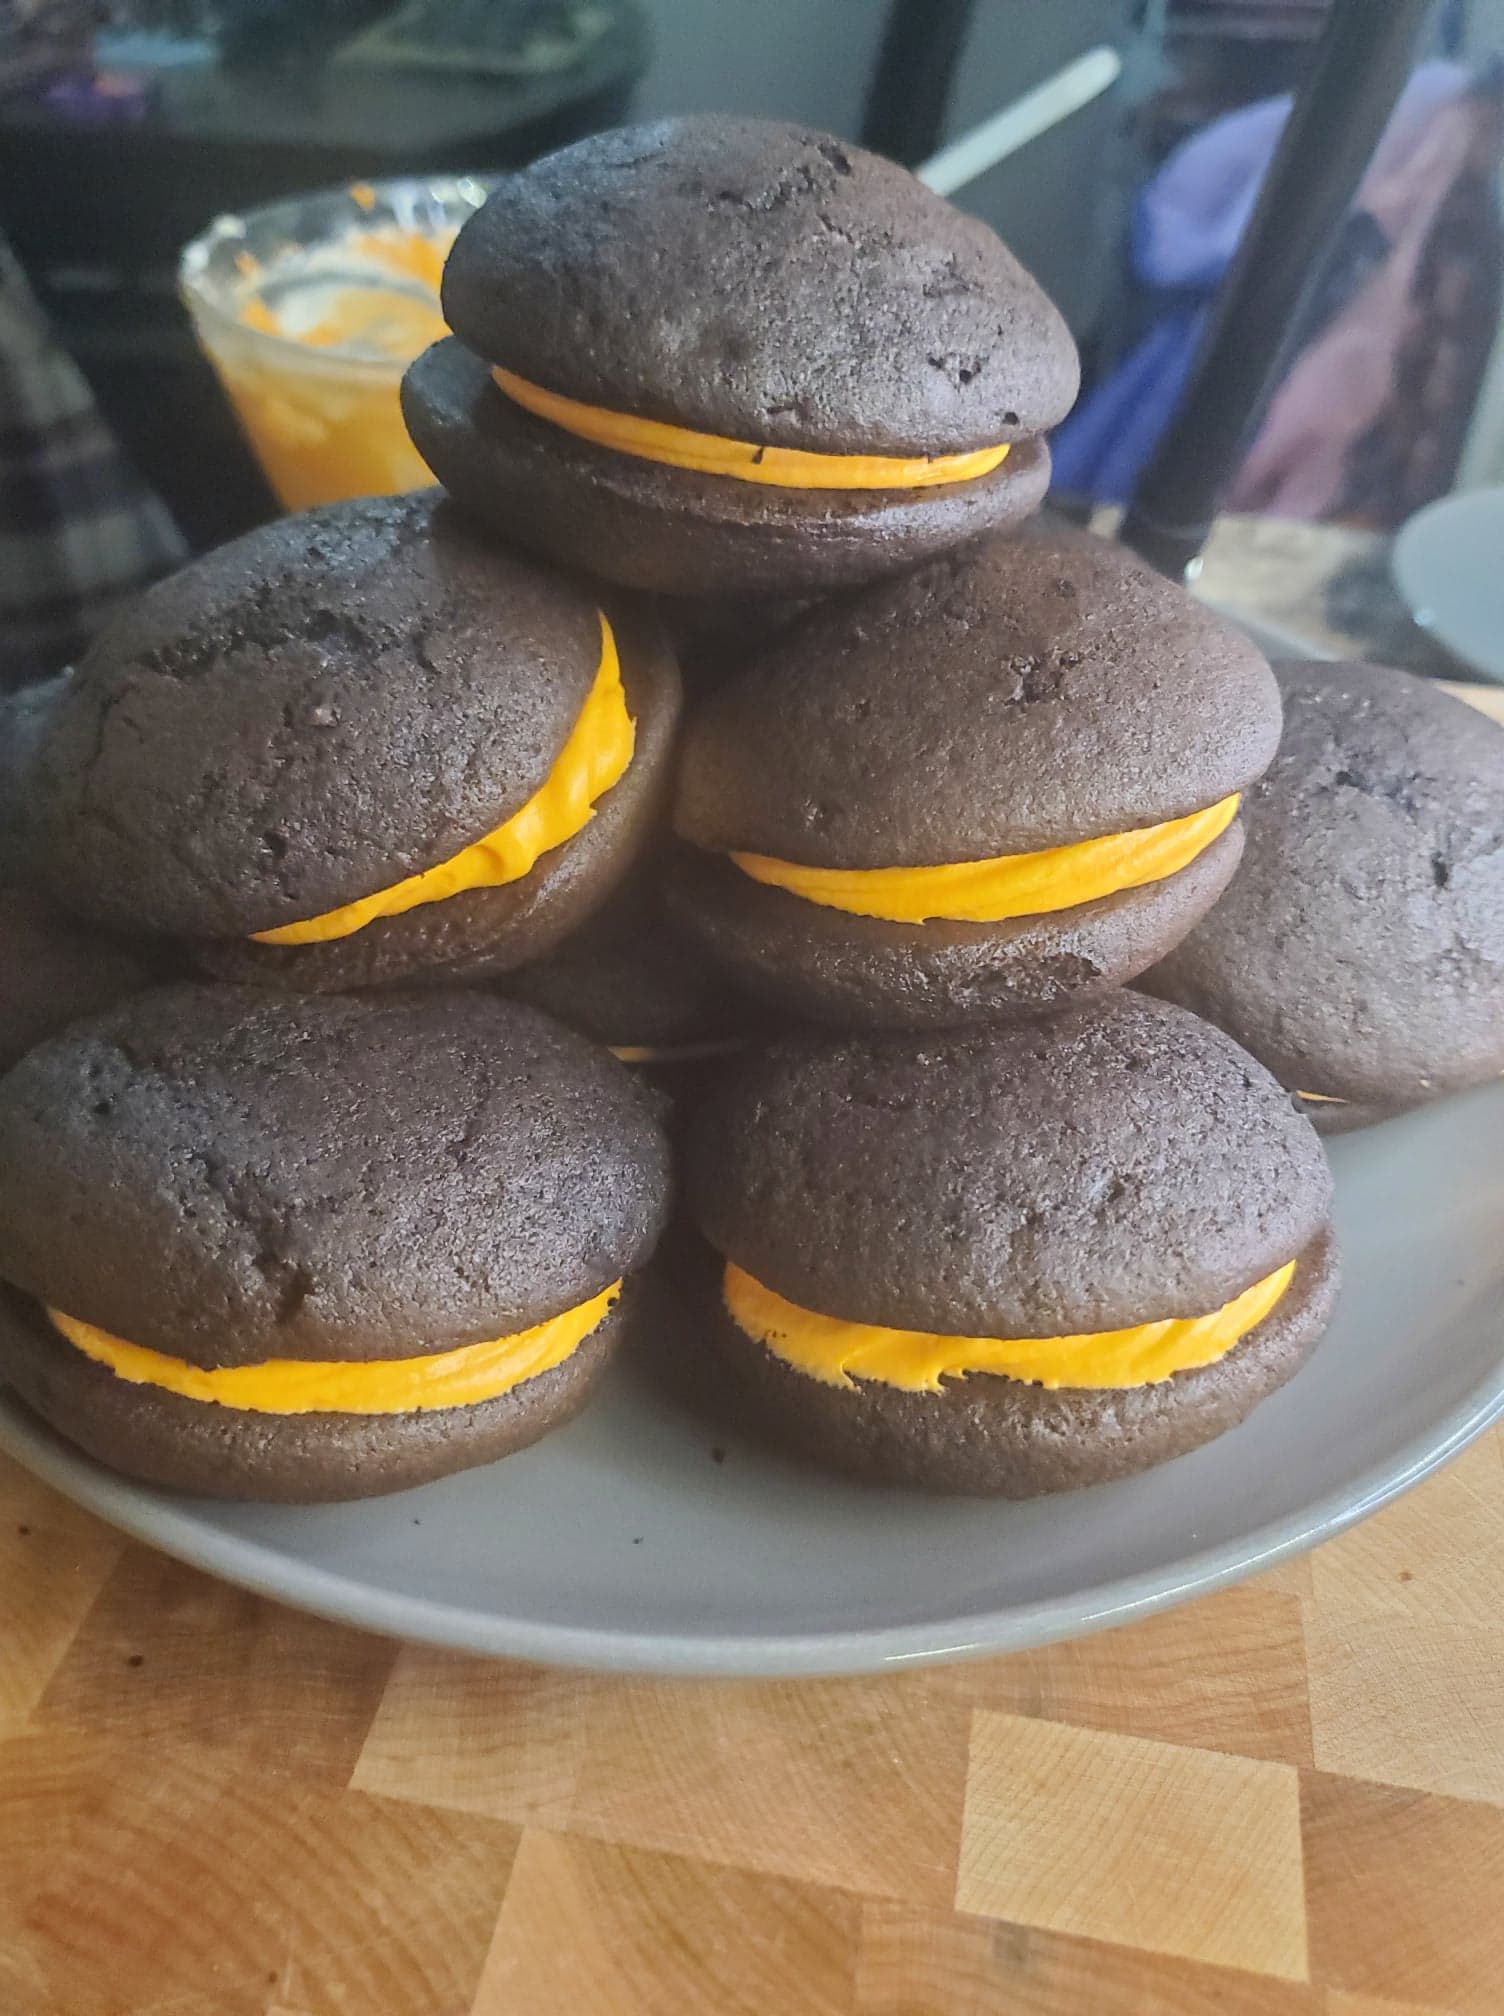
{"x":622,"y":1543}
{"x":1446,"y":565}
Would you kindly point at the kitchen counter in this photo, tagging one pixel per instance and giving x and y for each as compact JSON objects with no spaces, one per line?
{"x":1284,"y":1800}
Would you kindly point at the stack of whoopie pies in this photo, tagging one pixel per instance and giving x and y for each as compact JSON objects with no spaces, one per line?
{"x":402,"y":782}
{"x":343,"y":1225}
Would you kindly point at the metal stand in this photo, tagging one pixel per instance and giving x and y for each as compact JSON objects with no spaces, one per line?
{"x":1360,"y":68}
{"x":910,"y":90}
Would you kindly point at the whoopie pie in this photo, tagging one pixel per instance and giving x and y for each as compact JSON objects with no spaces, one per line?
{"x":359,"y":745}
{"x":629,"y":980}
{"x":52,"y":969}
{"x":302,"y":1247}
{"x":1010,"y":1260}
{"x":716,"y":355}
{"x":1360,"y":952}
{"x":1010,"y":777}
{"x":24,"y":716}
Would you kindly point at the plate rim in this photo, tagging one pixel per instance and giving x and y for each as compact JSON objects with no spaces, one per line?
{"x":153,"y":1517}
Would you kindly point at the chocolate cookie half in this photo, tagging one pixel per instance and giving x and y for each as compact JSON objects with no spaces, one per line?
{"x":1360,"y":952}
{"x":1006,"y":779}
{"x":360,"y":745}
{"x":299,"y":1248}
{"x":720,"y":355}
{"x":1016,"y":1260}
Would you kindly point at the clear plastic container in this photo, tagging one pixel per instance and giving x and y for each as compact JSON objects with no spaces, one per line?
{"x":311,"y":310}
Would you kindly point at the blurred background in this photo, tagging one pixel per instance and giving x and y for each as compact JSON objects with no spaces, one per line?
{"x":127,"y":128}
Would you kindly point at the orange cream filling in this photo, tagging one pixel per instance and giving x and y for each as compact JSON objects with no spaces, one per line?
{"x":461,"y":1378}
{"x":594,"y":757}
{"x":834,"y":1351}
{"x":747,"y":461}
{"x":674,"y":1053}
{"x":1010,"y":885}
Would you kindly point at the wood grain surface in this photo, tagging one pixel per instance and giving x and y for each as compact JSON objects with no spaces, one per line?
{"x":1284,"y":1800}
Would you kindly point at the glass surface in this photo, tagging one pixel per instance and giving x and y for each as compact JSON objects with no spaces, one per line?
{"x":310,"y":311}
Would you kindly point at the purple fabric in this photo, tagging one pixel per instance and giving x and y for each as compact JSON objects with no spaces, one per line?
{"x":1186,"y":226}
{"x":1190,"y":216}
{"x":1101,"y":450}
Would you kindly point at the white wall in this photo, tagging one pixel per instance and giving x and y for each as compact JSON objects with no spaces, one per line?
{"x":784,"y":59}
{"x":1054,"y":203}
{"x":1485,"y":28}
